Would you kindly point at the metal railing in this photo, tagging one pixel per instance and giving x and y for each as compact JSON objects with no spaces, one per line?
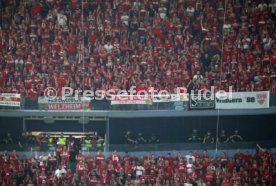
{"x":150,"y":147}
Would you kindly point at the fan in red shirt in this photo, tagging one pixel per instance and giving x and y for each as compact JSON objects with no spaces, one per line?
{"x":181,"y":166}
{"x":80,"y":157}
{"x":64,"y":154}
{"x":115,"y":158}
{"x":226,"y":182}
{"x":209,"y":176}
{"x":104,"y":178}
{"x":127,"y":167}
{"x":42,"y":178}
{"x":81,"y":168}
{"x":36,"y":9}
{"x":99,"y":157}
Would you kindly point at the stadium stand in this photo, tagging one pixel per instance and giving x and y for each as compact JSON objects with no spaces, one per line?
{"x":114,"y":45}
{"x":118,"y":44}
{"x":151,"y":169}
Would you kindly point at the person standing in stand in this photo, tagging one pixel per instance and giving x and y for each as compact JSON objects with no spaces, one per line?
{"x":71,"y":143}
{"x":222,"y":138}
{"x":138,"y":170}
{"x":50,"y":141}
{"x":129,"y":139}
{"x":61,"y":140}
{"x":65,"y":155}
{"x":61,"y":144}
{"x":52,"y":161}
{"x":140,"y":139}
{"x":236,"y":137}
{"x":79,"y":157}
{"x":100,"y":142}
{"x":87,"y":143}
{"x":208,"y":138}
{"x":194,"y":137}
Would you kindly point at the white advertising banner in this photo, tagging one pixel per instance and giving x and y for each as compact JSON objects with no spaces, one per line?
{"x":147,"y":99}
{"x":130,"y":99}
{"x":10,"y":99}
{"x":169,"y":98}
{"x":242,"y":100}
{"x":69,"y":103}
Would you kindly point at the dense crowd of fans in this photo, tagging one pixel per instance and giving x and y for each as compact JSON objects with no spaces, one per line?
{"x":103,"y":44}
{"x":164,"y":44}
{"x":194,"y":169}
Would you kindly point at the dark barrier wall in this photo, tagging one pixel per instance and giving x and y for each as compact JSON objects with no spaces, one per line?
{"x":175,"y":130}
{"x":10,"y":125}
{"x":66,"y":126}
{"x":168,"y":130}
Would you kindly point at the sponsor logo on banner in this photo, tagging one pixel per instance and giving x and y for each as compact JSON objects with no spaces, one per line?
{"x":169,"y":98}
{"x":261,"y":98}
{"x":130,"y":99}
{"x":147,"y":99}
{"x":10,"y":99}
{"x":242,"y":100}
{"x":198,"y":101}
{"x":59,"y":103}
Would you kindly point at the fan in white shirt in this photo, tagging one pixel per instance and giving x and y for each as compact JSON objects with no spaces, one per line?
{"x":62,"y":19}
{"x":59,"y":172}
{"x":108,"y":47}
{"x":139,"y":169}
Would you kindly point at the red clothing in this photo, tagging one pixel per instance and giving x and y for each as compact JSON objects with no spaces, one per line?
{"x":99,"y":158}
{"x":209,"y":177}
{"x":36,"y":9}
{"x":71,"y":48}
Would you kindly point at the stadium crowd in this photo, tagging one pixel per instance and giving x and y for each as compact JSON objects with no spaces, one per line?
{"x":164,"y":44}
{"x":96,"y":169}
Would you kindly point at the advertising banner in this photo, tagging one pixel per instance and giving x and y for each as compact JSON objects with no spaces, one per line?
{"x":242,"y":100}
{"x":147,"y":99}
{"x":10,"y":99}
{"x":58,"y":103}
{"x":169,"y":98}
{"x":130,"y":99}
{"x":201,"y":101}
